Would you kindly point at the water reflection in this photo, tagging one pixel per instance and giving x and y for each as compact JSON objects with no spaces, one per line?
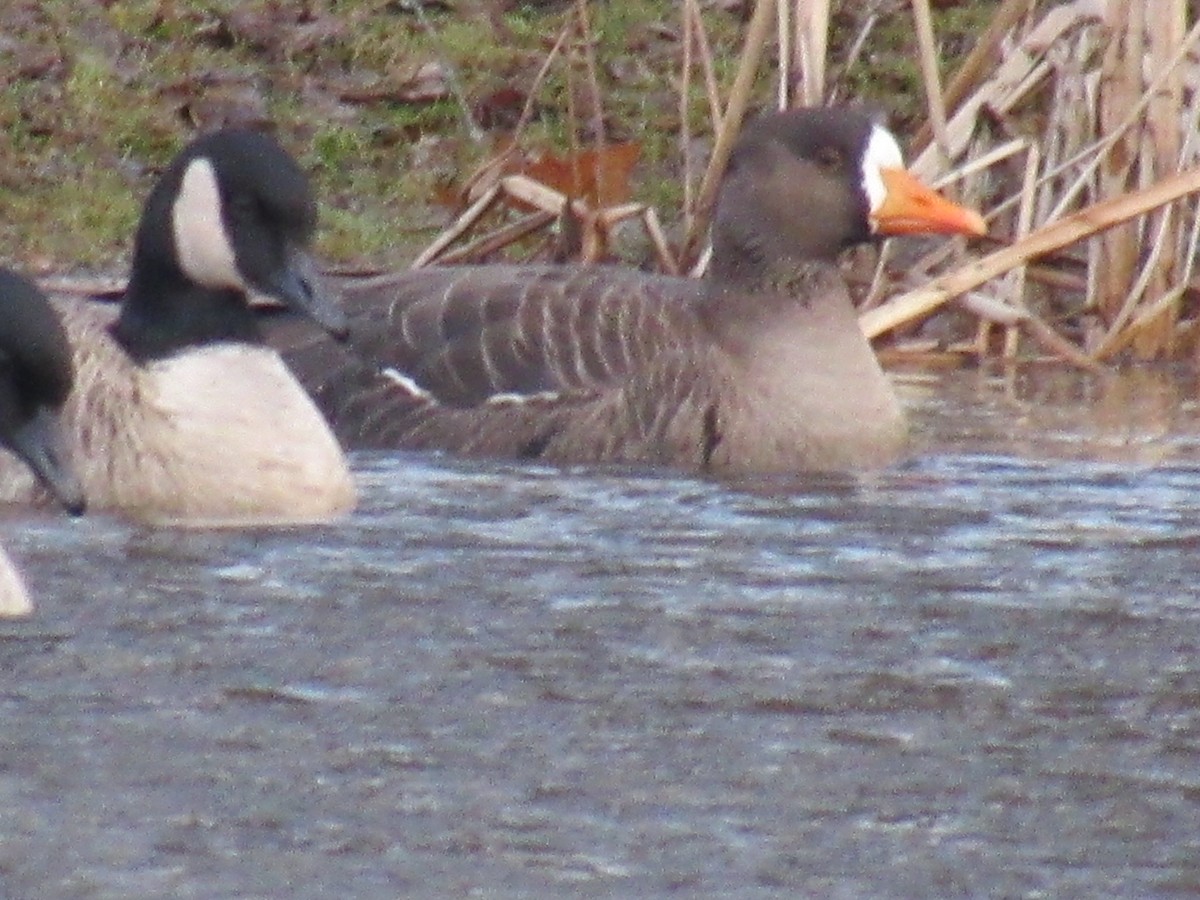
{"x":975,"y":675}
{"x":1142,"y":415}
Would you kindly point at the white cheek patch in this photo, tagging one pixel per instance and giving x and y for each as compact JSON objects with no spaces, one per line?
{"x":203,"y":247}
{"x":882,"y":153}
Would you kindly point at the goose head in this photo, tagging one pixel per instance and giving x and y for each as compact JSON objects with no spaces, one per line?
{"x":805,"y":184}
{"x":232,"y":216}
{"x":36,"y":375}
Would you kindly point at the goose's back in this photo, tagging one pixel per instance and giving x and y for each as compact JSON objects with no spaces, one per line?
{"x":596,"y":364}
{"x":564,"y":363}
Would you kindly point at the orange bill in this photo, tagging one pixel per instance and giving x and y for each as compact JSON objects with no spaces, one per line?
{"x":909,"y":207}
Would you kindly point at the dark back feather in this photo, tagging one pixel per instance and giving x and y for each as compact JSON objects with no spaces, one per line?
{"x":469,"y":334}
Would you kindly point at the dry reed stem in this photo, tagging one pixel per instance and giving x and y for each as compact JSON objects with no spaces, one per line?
{"x":689,"y":15}
{"x":658,"y":238}
{"x":1134,"y":296}
{"x":981,"y":57}
{"x":1164,"y":126}
{"x":1120,"y":88}
{"x":757,"y":34}
{"x":1091,"y":155}
{"x":695,"y":37}
{"x":1016,"y":278}
{"x":809,"y":43}
{"x":599,"y":139}
{"x":708,"y":67}
{"x":860,"y":40}
{"x":1014,"y":77}
{"x":1057,"y":345}
{"x":458,"y":228}
{"x":495,"y":241}
{"x":1132,"y":118}
{"x":983,"y":162}
{"x":930,"y":77}
{"x":488,"y":172}
{"x":527,"y":111}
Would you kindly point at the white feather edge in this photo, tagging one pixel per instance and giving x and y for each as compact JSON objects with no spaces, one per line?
{"x":503,"y":398}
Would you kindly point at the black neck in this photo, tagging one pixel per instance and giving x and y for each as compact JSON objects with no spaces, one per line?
{"x":747,"y":256}
{"x":739,"y":263}
{"x":750,"y":267}
{"x":165,"y":315}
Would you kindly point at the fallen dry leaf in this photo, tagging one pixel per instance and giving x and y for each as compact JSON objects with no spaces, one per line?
{"x":501,"y":108}
{"x":598,"y":176}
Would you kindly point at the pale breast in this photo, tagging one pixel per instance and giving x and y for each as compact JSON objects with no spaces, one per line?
{"x":220,"y":434}
{"x":808,"y":394}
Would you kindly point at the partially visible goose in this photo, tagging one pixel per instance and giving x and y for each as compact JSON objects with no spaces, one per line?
{"x":14,"y":596}
{"x":761,"y":367}
{"x":35,"y":379}
{"x":179,"y":411}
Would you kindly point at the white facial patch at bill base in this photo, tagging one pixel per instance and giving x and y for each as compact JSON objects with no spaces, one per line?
{"x":883,"y":152}
{"x":201,"y":242}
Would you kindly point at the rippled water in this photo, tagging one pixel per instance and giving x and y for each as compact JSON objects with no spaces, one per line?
{"x":974,"y":675}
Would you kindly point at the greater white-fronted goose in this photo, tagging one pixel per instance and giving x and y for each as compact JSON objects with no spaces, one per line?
{"x":760,"y":367}
{"x":35,"y":379}
{"x":179,"y":411}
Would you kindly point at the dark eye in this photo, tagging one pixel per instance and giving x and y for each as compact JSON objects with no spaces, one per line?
{"x":829,"y":158}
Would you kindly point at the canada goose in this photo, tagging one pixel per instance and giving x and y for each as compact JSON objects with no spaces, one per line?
{"x":760,"y":367}
{"x":179,"y":411}
{"x":35,"y":379}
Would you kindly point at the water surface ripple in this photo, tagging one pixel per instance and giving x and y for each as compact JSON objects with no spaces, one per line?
{"x":975,"y":675}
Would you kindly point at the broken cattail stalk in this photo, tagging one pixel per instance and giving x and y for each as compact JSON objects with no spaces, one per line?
{"x":497,"y":240}
{"x":992,"y":309}
{"x":982,"y":162}
{"x":666,"y":258}
{"x":1016,"y":278}
{"x":1058,"y":345}
{"x":460,"y":227}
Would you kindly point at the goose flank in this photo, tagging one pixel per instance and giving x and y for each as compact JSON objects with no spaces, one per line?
{"x":760,"y":367}
{"x":179,"y":412}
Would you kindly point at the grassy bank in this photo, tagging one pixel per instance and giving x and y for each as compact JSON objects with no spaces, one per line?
{"x":390,"y":107}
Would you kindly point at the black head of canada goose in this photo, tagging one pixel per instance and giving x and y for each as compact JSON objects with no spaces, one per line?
{"x":761,"y":367}
{"x":35,"y":379}
{"x":179,"y":412}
